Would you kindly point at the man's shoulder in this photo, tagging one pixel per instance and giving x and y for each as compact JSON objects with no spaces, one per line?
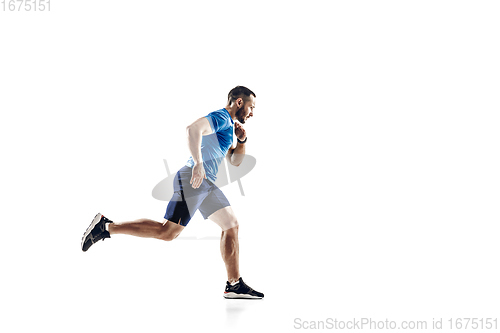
{"x":220,"y":119}
{"x":221,"y":113}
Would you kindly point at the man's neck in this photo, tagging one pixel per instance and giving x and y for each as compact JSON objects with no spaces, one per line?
{"x":232,"y":111}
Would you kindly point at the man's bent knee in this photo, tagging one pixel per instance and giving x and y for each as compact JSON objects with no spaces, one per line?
{"x":168,"y":236}
{"x":169,"y":231}
{"x":229,"y":224}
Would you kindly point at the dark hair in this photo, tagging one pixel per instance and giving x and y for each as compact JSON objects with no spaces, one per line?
{"x":239,"y":91}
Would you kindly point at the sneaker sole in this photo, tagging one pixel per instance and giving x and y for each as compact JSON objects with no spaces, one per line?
{"x":232,"y":295}
{"x":96,"y":220}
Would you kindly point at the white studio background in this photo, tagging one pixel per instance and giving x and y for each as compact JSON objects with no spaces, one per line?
{"x":375,"y":192}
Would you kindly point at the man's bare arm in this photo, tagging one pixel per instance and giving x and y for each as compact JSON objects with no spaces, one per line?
{"x":194,"y":132}
{"x":235,"y":155}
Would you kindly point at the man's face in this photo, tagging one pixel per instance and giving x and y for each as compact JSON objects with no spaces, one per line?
{"x":246,"y":110}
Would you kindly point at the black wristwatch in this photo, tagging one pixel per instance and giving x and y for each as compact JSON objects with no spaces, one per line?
{"x":242,"y":141}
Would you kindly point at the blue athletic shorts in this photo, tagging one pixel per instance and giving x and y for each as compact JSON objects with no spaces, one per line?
{"x":186,"y":200}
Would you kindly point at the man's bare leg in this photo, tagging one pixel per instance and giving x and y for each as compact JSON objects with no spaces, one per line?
{"x":229,"y":248}
{"x":167,"y":230}
{"x":229,"y":245}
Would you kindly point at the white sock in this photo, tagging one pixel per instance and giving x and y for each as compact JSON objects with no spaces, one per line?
{"x":106,"y":225}
{"x":234,"y":283}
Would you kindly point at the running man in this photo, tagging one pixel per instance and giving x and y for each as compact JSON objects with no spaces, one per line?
{"x":210,"y":139}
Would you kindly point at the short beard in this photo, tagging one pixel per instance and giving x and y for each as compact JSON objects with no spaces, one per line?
{"x":240,"y":116}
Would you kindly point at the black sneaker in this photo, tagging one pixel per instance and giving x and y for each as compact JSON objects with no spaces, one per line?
{"x":241,"y":290}
{"x":95,"y":232}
